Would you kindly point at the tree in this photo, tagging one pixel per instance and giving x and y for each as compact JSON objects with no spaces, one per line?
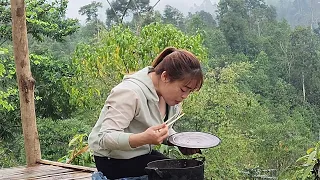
{"x":207,"y":18}
{"x":26,"y":82}
{"x":242,"y":22}
{"x":119,"y":9}
{"x":139,"y":21}
{"x":93,"y":24}
{"x":317,"y":30}
{"x":213,"y":39}
{"x":300,"y":12}
{"x":233,"y":23}
{"x":199,"y":21}
{"x":173,"y":16}
{"x":91,"y":11}
{"x":43,"y":19}
{"x":305,"y":64}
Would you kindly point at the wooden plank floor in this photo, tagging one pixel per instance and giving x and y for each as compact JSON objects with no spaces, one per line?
{"x":44,"y":172}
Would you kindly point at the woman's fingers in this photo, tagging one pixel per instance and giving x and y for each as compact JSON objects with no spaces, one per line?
{"x":159,"y":127}
{"x":157,"y":133}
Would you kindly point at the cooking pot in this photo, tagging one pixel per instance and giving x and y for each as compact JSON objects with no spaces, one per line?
{"x":176,"y":169}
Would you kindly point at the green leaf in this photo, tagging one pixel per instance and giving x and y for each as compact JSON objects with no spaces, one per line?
{"x":307,"y":172}
{"x":311,"y":157}
{"x":302,"y":159}
{"x":310,"y":150}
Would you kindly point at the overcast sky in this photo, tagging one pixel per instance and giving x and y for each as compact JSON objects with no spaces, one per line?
{"x":182,"y":5}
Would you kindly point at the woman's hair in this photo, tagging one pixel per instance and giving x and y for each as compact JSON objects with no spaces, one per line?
{"x":180,"y":65}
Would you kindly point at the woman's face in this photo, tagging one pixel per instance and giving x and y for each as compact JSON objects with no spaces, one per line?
{"x":175,"y":92}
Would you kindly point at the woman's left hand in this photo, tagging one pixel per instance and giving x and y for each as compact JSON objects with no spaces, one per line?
{"x":189,"y":151}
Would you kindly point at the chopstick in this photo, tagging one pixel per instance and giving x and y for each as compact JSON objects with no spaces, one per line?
{"x":169,"y":119}
{"x":173,"y":121}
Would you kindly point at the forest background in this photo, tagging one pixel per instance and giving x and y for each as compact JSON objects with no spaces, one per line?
{"x":260,"y":97}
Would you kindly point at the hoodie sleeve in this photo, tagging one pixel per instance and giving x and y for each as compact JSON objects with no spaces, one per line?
{"x":121,"y":107}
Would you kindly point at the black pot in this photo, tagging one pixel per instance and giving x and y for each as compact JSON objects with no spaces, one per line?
{"x":173,"y":169}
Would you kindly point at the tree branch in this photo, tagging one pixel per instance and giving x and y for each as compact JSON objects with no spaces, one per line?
{"x":154,"y":5}
{"x":115,"y":13}
{"x":125,"y":11}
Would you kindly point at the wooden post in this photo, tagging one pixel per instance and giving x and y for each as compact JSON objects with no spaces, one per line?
{"x":25,"y":82}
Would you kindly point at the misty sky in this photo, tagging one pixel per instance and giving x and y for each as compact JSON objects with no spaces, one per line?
{"x":182,"y":5}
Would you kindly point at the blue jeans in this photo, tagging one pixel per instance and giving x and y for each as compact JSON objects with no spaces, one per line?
{"x":100,"y":176}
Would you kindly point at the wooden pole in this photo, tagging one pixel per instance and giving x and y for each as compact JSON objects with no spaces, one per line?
{"x":25,"y":82}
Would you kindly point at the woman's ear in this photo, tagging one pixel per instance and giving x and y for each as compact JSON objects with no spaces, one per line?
{"x":164,"y":77}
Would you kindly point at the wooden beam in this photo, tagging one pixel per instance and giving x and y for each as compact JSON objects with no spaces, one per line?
{"x":25,"y":82}
{"x":83,"y":168}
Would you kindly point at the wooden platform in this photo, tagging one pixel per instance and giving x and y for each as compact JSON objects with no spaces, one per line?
{"x":46,"y":172}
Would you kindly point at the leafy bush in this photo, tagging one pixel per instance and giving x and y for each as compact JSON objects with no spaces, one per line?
{"x":55,"y":136}
{"x":79,"y":152}
{"x":7,"y":157}
{"x":120,"y":51}
{"x":52,"y":100}
{"x":308,"y":166}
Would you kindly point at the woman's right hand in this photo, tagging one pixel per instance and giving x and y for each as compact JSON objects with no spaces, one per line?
{"x":153,"y":135}
{"x":156,"y":134}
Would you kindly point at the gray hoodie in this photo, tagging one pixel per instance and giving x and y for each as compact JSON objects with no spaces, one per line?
{"x":131,"y":107}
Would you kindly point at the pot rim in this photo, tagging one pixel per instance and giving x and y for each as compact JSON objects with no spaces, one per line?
{"x":161,"y":160}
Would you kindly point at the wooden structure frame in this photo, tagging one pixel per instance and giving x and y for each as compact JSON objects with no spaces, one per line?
{"x":36,"y":168}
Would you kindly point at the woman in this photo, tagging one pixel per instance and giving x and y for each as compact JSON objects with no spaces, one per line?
{"x":132,"y":119}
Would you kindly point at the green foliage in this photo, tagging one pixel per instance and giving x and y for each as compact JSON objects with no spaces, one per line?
{"x":119,"y":9}
{"x":308,"y":164}
{"x":79,"y":153}
{"x":199,"y":21}
{"x":141,"y":20}
{"x":246,"y":121}
{"x":49,"y":91}
{"x":7,"y":157}
{"x":8,"y":96}
{"x":251,"y":98}
{"x":305,"y":63}
{"x":299,"y":13}
{"x":233,"y":23}
{"x":6,"y":76}
{"x":119,"y":52}
{"x":91,"y":11}
{"x":43,"y":19}
{"x":284,"y":115}
{"x":243,"y":22}
{"x":173,"y":16}
{"x":51,"y":97}
{"x":221,"y":109}
{"x":55,"y":135}
{"x":213,"y":39}
{"x":170,"y":151}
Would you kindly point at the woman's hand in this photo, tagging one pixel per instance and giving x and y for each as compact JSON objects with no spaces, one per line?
{"x":189,"y":151}
{"x":156,"y":134}
{"x":153,"y":135}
